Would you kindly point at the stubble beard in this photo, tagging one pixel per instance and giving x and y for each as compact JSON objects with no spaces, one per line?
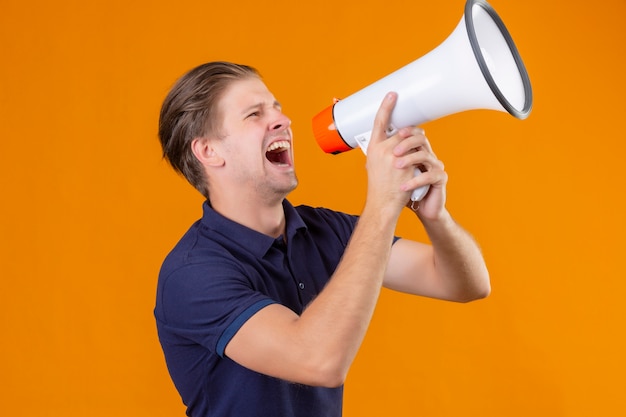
{"x":277,"y":191}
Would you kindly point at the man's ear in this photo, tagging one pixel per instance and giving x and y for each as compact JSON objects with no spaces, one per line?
{"x":203,"y":149}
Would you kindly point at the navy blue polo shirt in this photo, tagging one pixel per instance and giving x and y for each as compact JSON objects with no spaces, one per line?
{"x":219,"y":275}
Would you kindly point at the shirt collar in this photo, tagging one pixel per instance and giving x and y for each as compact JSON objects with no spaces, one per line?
{"x":255,"y":242}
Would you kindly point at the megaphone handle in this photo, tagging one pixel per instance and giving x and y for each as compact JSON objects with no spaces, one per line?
{"x":364,"y":139}
{"x":420,"y":192}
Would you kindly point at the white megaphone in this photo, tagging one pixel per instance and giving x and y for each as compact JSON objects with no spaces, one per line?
{"x":476,"y":67}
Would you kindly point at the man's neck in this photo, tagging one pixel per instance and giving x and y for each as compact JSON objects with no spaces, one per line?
{"x":264,"y":217}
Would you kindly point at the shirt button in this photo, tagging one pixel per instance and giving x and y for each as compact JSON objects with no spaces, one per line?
{"x":301,"y":285}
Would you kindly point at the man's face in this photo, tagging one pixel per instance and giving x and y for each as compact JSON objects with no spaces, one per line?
{"x":256,"y":140}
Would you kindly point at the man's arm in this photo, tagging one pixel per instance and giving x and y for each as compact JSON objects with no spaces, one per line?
{"x":452,"y":267}
{"x":318,"y":347}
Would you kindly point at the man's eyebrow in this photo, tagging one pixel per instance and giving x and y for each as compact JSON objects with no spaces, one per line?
{"x":260,"y":105}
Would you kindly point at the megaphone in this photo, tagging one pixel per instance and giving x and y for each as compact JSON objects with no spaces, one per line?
{"x":477,"y":67}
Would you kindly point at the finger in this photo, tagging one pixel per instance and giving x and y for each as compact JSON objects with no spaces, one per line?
{"x":421,"y":158}
{"x":427,"y":144}
{"x":383,"y":116}
{"x":434,"y":177}
{"x":413,"y":140}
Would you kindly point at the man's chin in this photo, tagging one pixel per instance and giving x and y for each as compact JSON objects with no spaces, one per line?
{"x":292,"y":187}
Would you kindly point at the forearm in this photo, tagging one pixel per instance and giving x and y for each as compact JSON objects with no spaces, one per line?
{"x":457,"y":260}
{"x":335,"y":323}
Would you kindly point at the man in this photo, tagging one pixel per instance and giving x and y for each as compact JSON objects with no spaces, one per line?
{"x":262,"y":306}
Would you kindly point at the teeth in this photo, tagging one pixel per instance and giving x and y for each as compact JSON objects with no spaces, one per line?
{"x":281,"y":144}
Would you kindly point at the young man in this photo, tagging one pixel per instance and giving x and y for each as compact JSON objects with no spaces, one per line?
{"x":262,"y":306}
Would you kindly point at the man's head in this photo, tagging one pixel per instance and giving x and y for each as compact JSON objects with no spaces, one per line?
{"x":191,"y":111}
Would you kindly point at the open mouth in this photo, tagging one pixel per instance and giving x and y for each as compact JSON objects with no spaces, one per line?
{"x":278,"y":153}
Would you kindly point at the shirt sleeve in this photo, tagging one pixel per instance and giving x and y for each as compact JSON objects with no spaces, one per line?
{"x":207,"y":304}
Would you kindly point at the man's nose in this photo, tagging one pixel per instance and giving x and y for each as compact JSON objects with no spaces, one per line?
{"x":280,"y":122}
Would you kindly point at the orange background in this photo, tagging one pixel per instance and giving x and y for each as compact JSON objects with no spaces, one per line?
{"x":89,"y":209}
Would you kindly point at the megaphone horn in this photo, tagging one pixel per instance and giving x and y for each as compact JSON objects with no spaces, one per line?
{"x":476,"y":67}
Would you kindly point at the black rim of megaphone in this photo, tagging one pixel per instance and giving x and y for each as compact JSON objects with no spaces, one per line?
{"x":469,"y":23}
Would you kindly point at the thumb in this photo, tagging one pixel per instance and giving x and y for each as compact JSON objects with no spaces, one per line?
{"x":383,"y":116}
